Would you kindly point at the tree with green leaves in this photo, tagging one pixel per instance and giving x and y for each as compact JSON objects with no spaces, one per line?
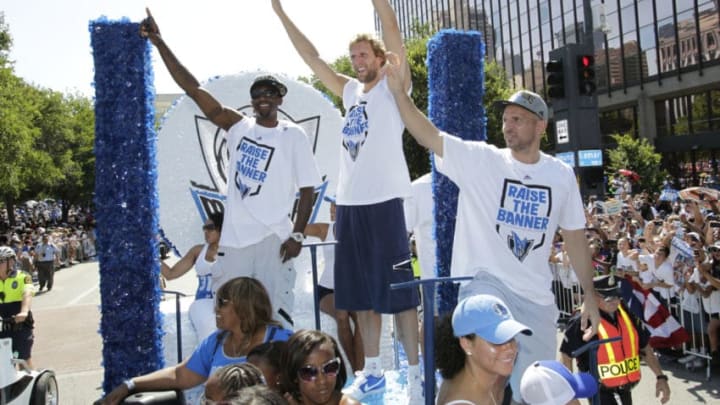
{"x":46,"y":140}
{"x":639,"y":156}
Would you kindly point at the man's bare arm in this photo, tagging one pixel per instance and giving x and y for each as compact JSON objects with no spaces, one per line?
{"x":391,"y":35}
{"x":419,"y":126}
{"x":220,"y":115}
{"x":334,"y":81}
{"x":581,"y":261}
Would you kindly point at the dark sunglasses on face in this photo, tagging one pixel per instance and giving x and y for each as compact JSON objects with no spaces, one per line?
{"x":221,"y":302}
{"x":209,"y":227}
{"x":257,"y":93}
{"x":329,"y":369}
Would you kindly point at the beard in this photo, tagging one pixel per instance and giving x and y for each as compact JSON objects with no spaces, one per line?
{"x":370,"y":76}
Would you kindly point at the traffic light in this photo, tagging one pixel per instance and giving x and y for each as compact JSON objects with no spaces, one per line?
{"x":555,"y":79}
{"x":586,"y":75}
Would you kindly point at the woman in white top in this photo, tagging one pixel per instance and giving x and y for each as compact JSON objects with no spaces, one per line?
{"x":661,"y":274}
{"x":202,"y":257}
{"x":475,"y":348}
{"x":626,"y":259}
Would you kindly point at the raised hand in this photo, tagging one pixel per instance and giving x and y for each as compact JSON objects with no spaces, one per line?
{"x":149,"y":28}
{"x":395,"y":70}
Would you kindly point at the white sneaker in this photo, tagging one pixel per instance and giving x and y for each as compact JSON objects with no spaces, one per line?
{"x":699,"y":362}
{"x":416,"y":392}
{"x":365,"y":385}
{"x":686,"y":359}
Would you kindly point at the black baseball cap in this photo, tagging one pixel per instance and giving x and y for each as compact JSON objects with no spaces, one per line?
{"x":269,"y":80}
{"x":607,"y":286}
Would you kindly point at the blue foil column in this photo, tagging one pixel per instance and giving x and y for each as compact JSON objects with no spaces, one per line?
{"x":126,"y":201}
{"x":456,"y":78}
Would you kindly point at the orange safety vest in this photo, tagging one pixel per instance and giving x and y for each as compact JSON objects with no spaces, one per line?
{"x":618,"y":362}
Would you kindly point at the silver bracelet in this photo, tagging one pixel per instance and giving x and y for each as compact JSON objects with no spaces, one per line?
{"x":130,"y":384}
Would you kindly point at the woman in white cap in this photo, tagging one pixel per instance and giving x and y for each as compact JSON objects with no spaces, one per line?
{"x":474,"y":348}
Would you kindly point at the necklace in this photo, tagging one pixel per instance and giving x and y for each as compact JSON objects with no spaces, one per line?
{"x":236,"y":352}
{"x":492,"y":396}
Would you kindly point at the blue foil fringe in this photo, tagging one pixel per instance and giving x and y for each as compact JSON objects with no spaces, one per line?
{"x":126,"y":201}
{"x":456,"y":86}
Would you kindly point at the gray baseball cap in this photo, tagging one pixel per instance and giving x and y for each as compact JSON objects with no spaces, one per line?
{"x":527,"y":100}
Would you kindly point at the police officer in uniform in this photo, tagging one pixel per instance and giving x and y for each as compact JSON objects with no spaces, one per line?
{"x":618,"y":363}
{"x":16,"y":291}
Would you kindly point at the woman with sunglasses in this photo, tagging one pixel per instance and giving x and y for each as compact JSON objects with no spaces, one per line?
{"x":202,"y":257}
{"x":244,"y":320}
{"x":474,"y":349}
{"x":313,"y":371}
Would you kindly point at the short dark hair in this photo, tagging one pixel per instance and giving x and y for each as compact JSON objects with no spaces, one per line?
{"x":217,"y":219}
{"x":259,"y":395}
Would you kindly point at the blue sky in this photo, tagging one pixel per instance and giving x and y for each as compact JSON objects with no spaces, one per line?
{"x":51,"y":43}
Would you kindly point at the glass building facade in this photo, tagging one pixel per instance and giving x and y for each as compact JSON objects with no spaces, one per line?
{"x":658,"y":62}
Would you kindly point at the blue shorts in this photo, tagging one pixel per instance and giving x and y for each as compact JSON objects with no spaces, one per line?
{"x":371,"y":239}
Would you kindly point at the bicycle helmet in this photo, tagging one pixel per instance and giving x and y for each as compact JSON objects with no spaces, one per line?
{"x":6,"y":253}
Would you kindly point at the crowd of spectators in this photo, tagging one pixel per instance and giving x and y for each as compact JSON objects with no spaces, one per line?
{"x":73,"y":239}
{"x":661,"y":245}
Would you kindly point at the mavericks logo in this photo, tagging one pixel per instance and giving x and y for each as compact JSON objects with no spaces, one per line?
{"x":523,"y":216}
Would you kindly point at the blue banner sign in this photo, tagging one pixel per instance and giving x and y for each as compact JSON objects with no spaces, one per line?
{"x":592,"y":157}
{"x":567,"y":157}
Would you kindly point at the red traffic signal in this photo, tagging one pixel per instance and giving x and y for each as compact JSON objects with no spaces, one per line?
{"x":555,"y":81}
{"x":586,"y":75}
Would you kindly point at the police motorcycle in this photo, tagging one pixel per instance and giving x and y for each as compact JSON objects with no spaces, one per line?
{"x":21,"y":385}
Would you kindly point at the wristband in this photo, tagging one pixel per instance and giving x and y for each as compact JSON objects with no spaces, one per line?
{"x":662,"y":377}
{"x":297,"y":237}
{"x":130,"y":384}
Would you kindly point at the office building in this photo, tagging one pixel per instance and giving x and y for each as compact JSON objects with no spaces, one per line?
{"x":658,"y":62}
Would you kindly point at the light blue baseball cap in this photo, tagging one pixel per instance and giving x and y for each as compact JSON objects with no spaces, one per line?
{"x":487,"y":317}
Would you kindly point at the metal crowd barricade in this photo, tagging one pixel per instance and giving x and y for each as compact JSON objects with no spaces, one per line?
{"x":566,"y":299}
{"x":313,"y":257}
{"x":695,"y":329}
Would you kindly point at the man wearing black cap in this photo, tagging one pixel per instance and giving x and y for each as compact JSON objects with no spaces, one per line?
{"x":373,"y":181}
{"x":618,"y":363}
{"x":511,"y":203}
{"x":269,"y":160}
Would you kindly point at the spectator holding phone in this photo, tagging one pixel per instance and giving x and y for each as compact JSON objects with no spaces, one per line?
{"x":710,"y":291}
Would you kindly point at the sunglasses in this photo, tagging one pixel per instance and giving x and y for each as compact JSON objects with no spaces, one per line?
{"x":257,"y":93}
{"x":209,"y":227}
{"x":310,"y":373}
{"x":221,"y":302}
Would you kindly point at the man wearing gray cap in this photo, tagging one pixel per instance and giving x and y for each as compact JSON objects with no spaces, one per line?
{"x":269,"y":160}
{"x":511,"y":203}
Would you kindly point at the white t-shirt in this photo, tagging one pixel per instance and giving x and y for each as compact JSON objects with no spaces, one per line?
{"x":266,"y":168}
{"x":624,"y":262}
{"x":203,"y":268}
{"x":663,"y":272}
{"x":508,"y":213}
{"x":566,"y":274}
{"x":646,"y":275}
{"x":691,"y":301}
{"x":372,"y":161}
{"x":419,"y":219}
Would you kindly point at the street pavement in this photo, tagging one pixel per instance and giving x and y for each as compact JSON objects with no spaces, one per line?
{"x":67,"y":341}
